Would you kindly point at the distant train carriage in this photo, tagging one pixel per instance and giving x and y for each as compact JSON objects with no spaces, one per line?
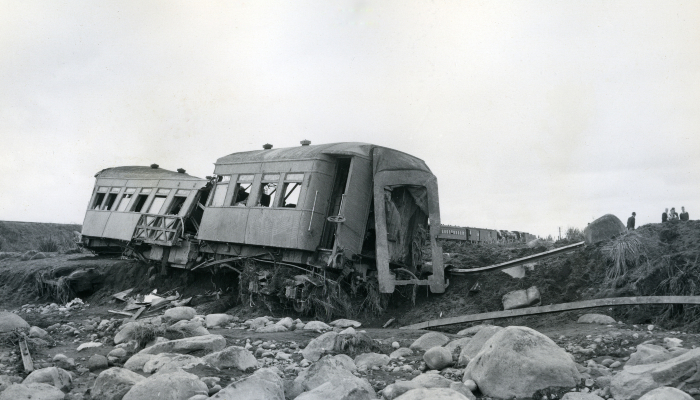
{"x":450,"y":232}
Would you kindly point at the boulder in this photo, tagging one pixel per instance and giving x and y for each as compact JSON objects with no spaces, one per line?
{"x":170,"y":362}
{"x":462,"y":389}
{"x":264,"y":384}
{"x":472,"y":330}
{"x":438,"y":358}
{"x":601,"y":319}
{"x":398,"y":388}
{"x":429,"y":340}
{"x":272,"y":329}
{"x":666,"y":393}
{"x":429,"y":380}
{"x":117,"y":355}
{"x":178,"y":385}
{"x":37,"y":332}
{"x":179,"y":314}
{"x":474,"y":346}
{"x":345,"y":323}
{"x":57,"y":377}
{"x":458,"y":344}
{"x":232,"y":357}
{"x":286,"y":322}
{"x":127,"y":332}
{"x":316,"y":326}
{"x":345,"y":390}
{"x":217,"y":320}
{"x":369,"y":360}
{"x":197,"y":344}
{"x":11,"y":321}
{"x":521,"y":298}
{"x":257,"y":322}
{"x":634,"y":381}
{"x":604,"y":228}
{"x":114,"y":383}
{"x":62,"y":361}
{"x":331,"y":369}
{"x":187,"y":328}
{"x":401,"y":352}
{"x":32,"y":391}
{"x":319,"y":346}
{"x":432,"y":394}
{"x":97,"y":361}
{"x":517,"y":361}
{"x":7,"y":380}
{"x":137,"y":361}
{"x":648,"y":354}
{"x":580,"y":396}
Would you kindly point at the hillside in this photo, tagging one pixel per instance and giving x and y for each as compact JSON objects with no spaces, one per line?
{"x":23,"y":236}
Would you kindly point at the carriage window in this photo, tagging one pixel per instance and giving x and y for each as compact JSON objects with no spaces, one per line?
{"x":220,"y":190}
{"x":156,"y":204}
{"x":124,"y":202}
{"x":242,"y":190}
{"x":268,"y":190}
{"x":140,"y":201}
{"x":291,"y":194}
{"x":110,"y":201}
{"x":176,"y":205}
{"x":98,"y":201}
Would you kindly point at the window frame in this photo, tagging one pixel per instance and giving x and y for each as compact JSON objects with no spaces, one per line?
{"x":242,"y":179}
{"x":291,"y":178}
{"x":261,"y":189}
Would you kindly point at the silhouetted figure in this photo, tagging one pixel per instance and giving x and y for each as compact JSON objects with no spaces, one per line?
{"x":630,"y":222}
{"x":673,"y":215}
{"x":684,"y":214}
{"x":664,"y":216}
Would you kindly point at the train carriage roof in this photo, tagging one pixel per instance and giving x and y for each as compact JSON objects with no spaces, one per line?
{"x":138,"y":172}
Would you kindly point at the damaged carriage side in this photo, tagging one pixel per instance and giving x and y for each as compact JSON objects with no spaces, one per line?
{"x":349,"y":212}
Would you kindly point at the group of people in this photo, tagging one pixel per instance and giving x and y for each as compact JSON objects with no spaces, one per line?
{"x":674,"y":216}
{"x":665,"y":216}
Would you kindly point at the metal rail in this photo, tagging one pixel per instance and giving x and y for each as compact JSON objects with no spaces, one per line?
{"x":518,"y":261}
{"x":520,"y":312}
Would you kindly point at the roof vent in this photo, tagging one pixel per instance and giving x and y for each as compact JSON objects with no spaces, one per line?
{"x":180,"y":170}
{"x":305,"y":142}
{"x":154,"y":166}
{"x":267,"y":146}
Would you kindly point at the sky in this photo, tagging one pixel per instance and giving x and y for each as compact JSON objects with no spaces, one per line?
{"x":533,"y":115}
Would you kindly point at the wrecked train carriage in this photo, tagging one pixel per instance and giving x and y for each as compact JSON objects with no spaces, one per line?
{"x":150,"y":211}
{"x":351,"y":208}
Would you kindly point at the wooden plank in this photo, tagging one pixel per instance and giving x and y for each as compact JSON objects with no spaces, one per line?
{"x":520,"y":312}
{"x":137,"y":314}
{"x":120,"y":313}
{"x":122,"y":295}
{"x":518,"y":261}
{"x":26,"y":357}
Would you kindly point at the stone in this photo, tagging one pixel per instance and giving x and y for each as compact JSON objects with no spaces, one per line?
{"x":429,"y":340}
{"x":457,"y":344}
{"x":257,"y":322}
{"x":137,"y":361}
{"x":89,"y":345}
{"x":188,"y":328}
{"x":580,"y":396}
{"x":471,"y":349}
{"x":11,"y":321}
{"x":432,"y":394}
{"x":170,"y":362}
{"x":232,"y":357}
{"x":634,"y":381}
{"x":470,"y":384}
{"x":369,"y":360}
{"x":666,"y":393}
{"x":345,"y":323}
{"x":196,"y":344}
{"x":126,"y":332}
{"x":264,"y":384}
{"x":401,"y":352}
{"x":672,"y":343}
{"x":286,"y":322}
{"x":32,"y":391}
{"x":316,"y":326}
{"x":593,"y":318}
{"x":178,"y":385}
{"x":348,"y":331}
{"x":7,"y":380}
{"x":114,"y":383}
{"x":319,"y":346}
{"x":648,"y":354}
{"x":179,"y":314}
{"x":395,"y":345}
{"x":332,"y":369}
{"x":461,"y":388}
{"x":344,"y":390}
{"x":432,"y":381}
{"x":398,"y":388}
{"x":56,"y":377}
{"x":117,"y":354}
{"x":97,"y":361}
{"x":271,"y":329}
{"x":517,"y":361}
{"x":472,"y":330}
{"x":62,"y":361}
{"x":217,"y":320}
{"x":37,"y":332}
{"x":521,"y":298}
{"x":604,"y":228}
{"x":437,"y":358}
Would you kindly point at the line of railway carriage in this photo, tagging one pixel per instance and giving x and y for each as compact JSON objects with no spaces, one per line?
{"x":481,"y":235}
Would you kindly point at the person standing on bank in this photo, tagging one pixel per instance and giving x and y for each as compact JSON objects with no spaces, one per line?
{"x":630,"y":222}
{"x":664,"y":216}
{"x":684,"y":214}
{"x":673,"y":215}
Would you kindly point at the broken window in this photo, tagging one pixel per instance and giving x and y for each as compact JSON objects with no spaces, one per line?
{"x":110,"y":201}
{"x":99,"y":198}
{"x":176,"y":205}
{"x":242,"y":190}
{"x":140,"y":201}
{"x":268,"y":190}
{"x":156,"y":205}
{"x":126,"y":198}
{"x":291,"y":190}
{"x":222,"y":182}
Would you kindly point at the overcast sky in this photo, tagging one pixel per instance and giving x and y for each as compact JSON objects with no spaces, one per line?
{"x":533,"y":115}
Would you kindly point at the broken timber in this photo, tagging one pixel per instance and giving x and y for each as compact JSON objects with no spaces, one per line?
{"x":520,"y":312}
{"x":518,"y":261}
{"x":26,"y":357}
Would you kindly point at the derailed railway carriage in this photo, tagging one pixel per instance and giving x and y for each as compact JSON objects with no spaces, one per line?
{"x":342,"y":212}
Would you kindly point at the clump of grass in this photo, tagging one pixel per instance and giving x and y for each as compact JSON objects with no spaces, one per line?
{"x":145,"y":333}
{"x":623,"y":251}
{"x":57,"y":289}
{"x":48,"y":245}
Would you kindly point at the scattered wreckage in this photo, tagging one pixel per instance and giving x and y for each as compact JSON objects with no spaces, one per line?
{"x":292,"y":222}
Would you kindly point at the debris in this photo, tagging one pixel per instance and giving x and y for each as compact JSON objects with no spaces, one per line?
{"x":182,"y":302}
{"x":137,"y":314}
{"x":126,"y":314}
{"x":122,"y":295}
{"x":149,"y":298}
{"x":389,"y":322}
{"x":26,"y":357}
